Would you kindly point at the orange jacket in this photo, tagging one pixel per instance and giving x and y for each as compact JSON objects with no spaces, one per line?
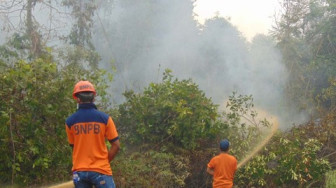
{"x":224,"y":166}
{"x":87,"y":130}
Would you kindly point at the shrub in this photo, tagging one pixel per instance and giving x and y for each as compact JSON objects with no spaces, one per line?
{"x":172,"y":112}
{"x":150,"y":169}
{"x":331,"y":179}
{"x":35,"y":101}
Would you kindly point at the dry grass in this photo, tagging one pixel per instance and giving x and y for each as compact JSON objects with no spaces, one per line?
{"x":331,"y":179}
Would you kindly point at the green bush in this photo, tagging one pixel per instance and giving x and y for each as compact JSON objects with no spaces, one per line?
{"x":331,"y":179}
{"x":175,"y":117}
{"x":289,"y":161}
{"x":172,"y":112}
{"x":150,"y":169}
{"x":35,"y":101}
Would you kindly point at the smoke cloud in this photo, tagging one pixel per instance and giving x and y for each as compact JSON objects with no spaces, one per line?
{"x":146,"y":37}
{"x":143,"y":38}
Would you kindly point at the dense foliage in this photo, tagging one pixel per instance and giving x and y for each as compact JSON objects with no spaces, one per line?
{"x":306,"y":37}
{"x":175,"y":118}
{"x":288,"y":160}
{"x":167,"y":121}
{"x":150,"y":169}
{"x":35,"y":102}
{"x":170,"y":129}
{"x":169,"y":114}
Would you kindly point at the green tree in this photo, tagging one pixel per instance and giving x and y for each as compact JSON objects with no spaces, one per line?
{"x":82,"y":11}
{"x":306,"y":37}
{"x":175,"y":117}
{"x":82,"y":52}
{"x":36,"y":100}
{"x":29,"y":27}
{"x":243,"y":126}
{"x":172,"y":113}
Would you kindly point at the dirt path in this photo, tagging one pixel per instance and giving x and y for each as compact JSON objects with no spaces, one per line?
{"x":68,"y":184}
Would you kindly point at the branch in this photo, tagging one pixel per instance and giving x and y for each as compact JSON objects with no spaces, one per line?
{"x":13,"y":146}
{"x":163,"y":140}
{"x":12,"y":5}
{"x":329,"y":154}
{"x":49,"y":5}
{"x":311,"y":184}
{"x":249,"y":120}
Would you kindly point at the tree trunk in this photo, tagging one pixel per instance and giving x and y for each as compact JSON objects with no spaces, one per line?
{"x":31,"y":32}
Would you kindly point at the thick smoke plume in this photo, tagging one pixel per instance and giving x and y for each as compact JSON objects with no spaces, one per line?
{"x":146,"y":37}
{"x":143,"y":38}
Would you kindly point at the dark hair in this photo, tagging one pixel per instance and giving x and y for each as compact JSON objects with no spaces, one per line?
{"x":85,"y":96}
{"x":225,"y":150}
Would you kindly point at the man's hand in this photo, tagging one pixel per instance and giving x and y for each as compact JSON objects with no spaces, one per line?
{"x":210,"y":170}
{"x":115,"y":147}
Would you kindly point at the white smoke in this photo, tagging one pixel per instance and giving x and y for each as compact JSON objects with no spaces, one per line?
{"x":144,"y":38}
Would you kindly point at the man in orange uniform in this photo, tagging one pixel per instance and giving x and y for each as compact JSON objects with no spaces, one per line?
{"x":87,"y":130}
{"x":223,"y":167}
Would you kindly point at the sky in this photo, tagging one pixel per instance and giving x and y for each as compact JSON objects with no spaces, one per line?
{"x":249,"y":16}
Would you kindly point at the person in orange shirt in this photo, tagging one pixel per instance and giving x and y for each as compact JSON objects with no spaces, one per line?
{"x":87,"y":129}
{"x":223,"y":167}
